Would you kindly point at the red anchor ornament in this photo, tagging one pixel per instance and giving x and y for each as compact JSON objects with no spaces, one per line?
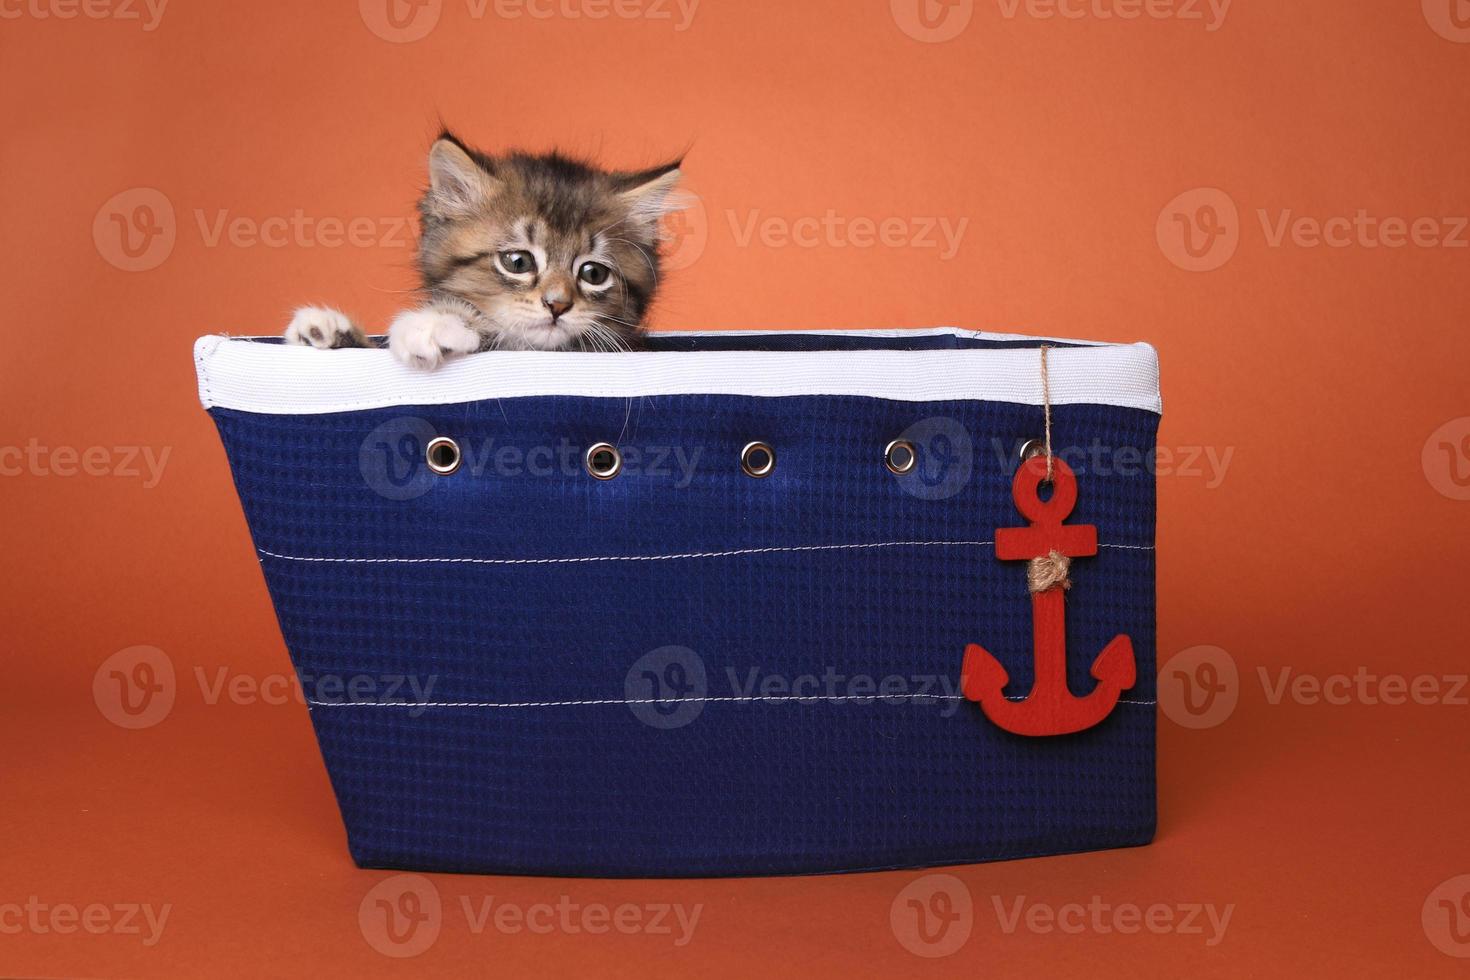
{"x":1050,"y":708}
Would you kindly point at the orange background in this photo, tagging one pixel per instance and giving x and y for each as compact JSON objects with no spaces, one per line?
{"x":1328,"y":545}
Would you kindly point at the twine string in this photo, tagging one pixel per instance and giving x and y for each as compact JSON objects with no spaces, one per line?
{"x":1049,"y":571}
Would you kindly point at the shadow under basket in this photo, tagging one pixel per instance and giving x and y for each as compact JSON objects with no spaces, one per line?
{"x":702,"y":609}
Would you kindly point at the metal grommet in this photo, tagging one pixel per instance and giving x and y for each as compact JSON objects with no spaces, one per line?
{"x":1032,"y":449}
{"x":603,"y":461}
{"x":757,"y":459}
{"x":442,"y":454}
{"x":900,"y":457}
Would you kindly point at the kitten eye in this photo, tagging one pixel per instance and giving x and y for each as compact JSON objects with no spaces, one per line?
{"x":593,"y":273}
{"x":517,"y":262}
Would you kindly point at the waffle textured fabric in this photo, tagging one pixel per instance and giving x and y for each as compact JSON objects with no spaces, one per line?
{"x":685,"y":670}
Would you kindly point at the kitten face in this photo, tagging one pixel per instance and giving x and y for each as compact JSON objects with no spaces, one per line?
{"x":553,"y":253}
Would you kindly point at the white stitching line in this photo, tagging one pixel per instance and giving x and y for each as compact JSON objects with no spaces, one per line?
{"x":691,"y":554}
{"x":562,"y":704}
{"x":204,"y":376}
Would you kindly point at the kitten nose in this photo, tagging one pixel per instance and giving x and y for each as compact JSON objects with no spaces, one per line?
{"x":557,"y":304}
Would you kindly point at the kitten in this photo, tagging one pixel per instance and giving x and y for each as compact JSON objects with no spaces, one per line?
{"x":521,"y":252}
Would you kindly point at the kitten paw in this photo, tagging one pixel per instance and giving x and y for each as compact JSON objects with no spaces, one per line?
{"x":324,"y":329}
{"x":423,"y":338}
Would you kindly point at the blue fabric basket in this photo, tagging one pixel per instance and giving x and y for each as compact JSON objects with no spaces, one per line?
{"x":686,"y":670}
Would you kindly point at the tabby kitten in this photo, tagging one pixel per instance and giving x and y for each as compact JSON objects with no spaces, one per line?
{"x":521,"y":252}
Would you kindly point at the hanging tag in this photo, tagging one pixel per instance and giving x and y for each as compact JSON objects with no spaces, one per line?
{"x":1050,"y":708}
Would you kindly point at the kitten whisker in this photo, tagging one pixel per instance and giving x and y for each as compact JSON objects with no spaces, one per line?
{"x":609,"y":316}
{"x":652,"y":266}
{"x":614,"y":340}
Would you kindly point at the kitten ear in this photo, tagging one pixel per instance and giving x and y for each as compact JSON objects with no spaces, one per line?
{"x":649,"y":194}
{"x":457,"y":184}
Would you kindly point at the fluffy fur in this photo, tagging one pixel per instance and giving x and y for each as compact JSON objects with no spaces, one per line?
{"x":521,"y":252}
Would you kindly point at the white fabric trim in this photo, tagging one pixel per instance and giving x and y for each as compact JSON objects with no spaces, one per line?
{"x":280,"y":379}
